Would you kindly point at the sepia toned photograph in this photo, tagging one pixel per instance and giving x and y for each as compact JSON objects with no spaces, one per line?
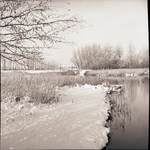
{"x":74,"y":74}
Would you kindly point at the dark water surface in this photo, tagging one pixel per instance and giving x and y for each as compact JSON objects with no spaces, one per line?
{"x":129,"y":128}
{"x":129,"y":123}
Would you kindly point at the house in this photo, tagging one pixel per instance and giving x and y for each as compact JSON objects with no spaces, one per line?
{"x":67,"y":66}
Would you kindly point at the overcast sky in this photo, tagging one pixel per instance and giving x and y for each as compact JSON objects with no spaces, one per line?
{"x":110,"y":22}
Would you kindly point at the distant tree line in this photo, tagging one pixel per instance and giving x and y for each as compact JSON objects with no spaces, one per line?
{"x":7,"y":64}
{"x":31,"y":65}
{"x":108,"y":57}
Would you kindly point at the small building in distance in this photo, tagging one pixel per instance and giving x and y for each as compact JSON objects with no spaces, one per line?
{"x":69,"y":66}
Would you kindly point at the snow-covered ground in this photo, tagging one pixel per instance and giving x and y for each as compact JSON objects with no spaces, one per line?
{"x":82,"y":72}
{"x":76,"y":122}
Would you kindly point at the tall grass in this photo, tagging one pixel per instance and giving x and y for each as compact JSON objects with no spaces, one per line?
{"x":41,"y":87}
{"x":38,"y":87}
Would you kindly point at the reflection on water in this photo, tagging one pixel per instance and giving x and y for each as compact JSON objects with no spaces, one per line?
{"x":129,"y":114}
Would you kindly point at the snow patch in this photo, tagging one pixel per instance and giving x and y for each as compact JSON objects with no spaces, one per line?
{"x":82,"y":72}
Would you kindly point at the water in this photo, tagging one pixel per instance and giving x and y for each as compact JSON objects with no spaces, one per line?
{"x":130,"y":113}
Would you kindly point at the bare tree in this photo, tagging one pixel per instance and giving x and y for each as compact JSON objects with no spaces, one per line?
{"x":144,"y":58}
{"x":27,"y":27}
{"x":95,"y":57}
{"x":130,"y":55}
{"x":75,"y":59}
{"x":87,"y":57}
{"x":117,"y":56}
{"x":107,"y":53}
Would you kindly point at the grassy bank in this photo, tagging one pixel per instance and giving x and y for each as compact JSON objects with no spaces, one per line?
{"x":118,"y":72}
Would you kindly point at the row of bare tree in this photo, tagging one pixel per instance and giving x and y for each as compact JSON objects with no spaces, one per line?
{"x":109,"y":57}
{"x":31,"y":64}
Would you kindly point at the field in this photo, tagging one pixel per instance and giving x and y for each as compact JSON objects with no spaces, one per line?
{"x":119,"y":72}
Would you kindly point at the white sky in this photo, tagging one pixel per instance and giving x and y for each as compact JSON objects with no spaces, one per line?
{"x":113,"y":22}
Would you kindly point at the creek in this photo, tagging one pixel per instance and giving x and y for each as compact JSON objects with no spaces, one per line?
{"x":129,"y":114}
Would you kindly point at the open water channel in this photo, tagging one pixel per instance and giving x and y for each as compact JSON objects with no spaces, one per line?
{"x":129,"y":119}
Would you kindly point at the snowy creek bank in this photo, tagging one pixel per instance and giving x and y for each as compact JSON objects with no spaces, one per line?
{"x":78,"y":121}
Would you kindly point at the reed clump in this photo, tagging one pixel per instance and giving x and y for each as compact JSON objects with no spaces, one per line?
{"x":38,"y":87}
